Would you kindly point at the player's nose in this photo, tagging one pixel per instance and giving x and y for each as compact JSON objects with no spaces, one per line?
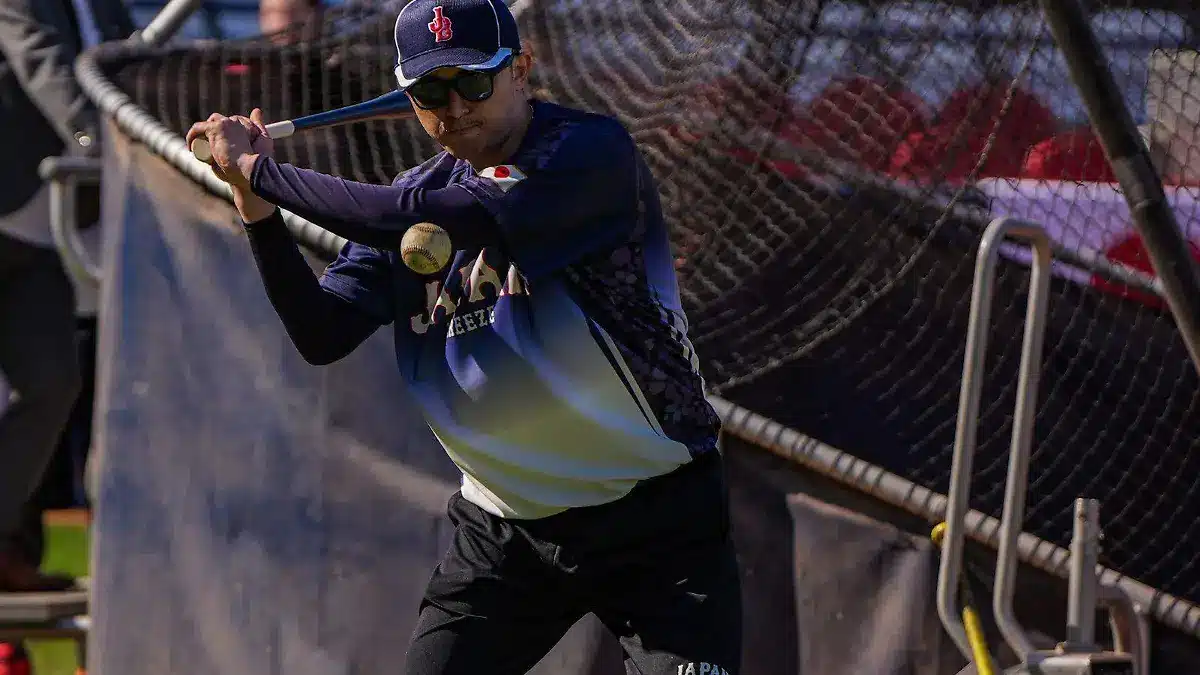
{"x":456,"y":107}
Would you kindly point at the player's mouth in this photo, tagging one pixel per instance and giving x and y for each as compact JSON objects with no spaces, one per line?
{"x":458,"y":131}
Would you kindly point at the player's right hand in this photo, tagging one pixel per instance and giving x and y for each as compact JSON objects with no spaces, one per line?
{"x":236,"y":142}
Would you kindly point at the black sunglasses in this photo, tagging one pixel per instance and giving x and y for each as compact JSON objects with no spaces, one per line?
{"x":430,"y":93}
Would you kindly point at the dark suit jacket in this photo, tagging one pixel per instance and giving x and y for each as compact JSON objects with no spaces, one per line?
{"x":42,"y":108}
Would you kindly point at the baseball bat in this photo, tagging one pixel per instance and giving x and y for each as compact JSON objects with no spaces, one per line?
{"x":389,"y":104}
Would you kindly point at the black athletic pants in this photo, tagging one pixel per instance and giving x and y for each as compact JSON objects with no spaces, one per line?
{"x":657,"y":567}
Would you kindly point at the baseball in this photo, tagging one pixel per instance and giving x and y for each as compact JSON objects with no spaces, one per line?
{"x":425,"y":248}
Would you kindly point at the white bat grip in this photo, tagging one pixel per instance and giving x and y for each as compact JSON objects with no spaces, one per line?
{"x":281,"y":129}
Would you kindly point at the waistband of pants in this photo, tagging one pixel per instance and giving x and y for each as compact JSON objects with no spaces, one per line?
{"x":701,"y":479}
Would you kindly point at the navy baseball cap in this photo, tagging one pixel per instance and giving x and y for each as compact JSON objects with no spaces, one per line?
{"x":467,"y":34}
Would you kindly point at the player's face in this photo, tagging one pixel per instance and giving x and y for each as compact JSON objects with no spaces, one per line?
{"x":476,"y":131}
{"x":284,"y":20}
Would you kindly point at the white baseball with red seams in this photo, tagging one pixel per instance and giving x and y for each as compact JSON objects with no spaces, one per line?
{"x":425,"y":248}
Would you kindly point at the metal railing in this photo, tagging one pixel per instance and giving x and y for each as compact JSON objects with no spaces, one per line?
{"x":1084,"y":572}
{"x":65,"y":175}
{"x":979,"y":323}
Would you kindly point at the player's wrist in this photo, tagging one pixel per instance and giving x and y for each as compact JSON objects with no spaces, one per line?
{"x":245,"y":166}
{"x":251,"y":207}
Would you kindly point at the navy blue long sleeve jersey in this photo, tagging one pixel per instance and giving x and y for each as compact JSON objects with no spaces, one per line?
{"x":550,"y":357}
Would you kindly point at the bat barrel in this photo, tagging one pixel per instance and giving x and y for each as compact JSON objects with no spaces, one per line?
{"x":390,"y":103}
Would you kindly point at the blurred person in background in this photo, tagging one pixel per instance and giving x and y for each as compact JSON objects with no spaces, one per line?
{"x":45,"y":114}
{"x":290,"y":21}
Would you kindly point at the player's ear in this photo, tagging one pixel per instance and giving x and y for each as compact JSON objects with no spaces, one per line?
{"x":521,"y":66}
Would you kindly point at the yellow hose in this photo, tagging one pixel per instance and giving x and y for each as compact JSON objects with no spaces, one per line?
{"x":984,"y":665}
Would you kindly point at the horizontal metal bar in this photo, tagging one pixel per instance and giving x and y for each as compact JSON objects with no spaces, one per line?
{"x":82,"y":169}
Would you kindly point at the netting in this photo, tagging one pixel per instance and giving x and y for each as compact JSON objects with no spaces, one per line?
{"x":827,"y":168}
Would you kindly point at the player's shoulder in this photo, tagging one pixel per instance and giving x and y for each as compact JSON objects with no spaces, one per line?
{"x":437,"y":171}
{"x":576,"y":121}
{"x":571,"y":135}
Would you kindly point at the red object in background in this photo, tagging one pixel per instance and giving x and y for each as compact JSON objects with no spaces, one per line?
{"x":737,"y":113}
{"x":727,"y":104}
{"x":953,"y":144}
{"x":237,"y":69}
{"x":1072,"y":155}
{"x":859,"y":120}
{"x":1132,"y":253}
{"x":14,"y":660}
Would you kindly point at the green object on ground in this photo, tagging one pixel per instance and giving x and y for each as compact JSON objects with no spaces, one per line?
{"x":66,"y":553}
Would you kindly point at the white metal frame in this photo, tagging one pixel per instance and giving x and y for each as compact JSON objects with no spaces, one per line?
{"x":1084,"y":592}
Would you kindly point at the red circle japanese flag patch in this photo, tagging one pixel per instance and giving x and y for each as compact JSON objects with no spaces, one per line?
{"x":505,"y":176}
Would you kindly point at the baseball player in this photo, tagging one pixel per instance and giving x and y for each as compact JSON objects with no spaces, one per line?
{"x":550,"y":357}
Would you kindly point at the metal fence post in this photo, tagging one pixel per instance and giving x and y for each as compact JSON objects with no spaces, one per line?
{"x":1082,"y":582}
